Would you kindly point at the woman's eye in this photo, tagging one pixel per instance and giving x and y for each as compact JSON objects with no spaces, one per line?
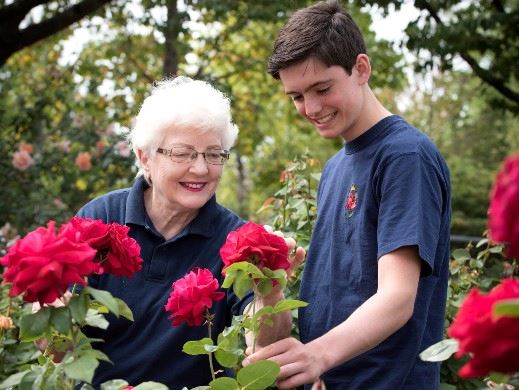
{"x":297,"y":98}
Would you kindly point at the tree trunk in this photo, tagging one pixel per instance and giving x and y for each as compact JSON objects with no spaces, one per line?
{"x":171,"y":31}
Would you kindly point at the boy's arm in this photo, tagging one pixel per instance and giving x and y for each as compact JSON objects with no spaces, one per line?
{"x":375,"y":320}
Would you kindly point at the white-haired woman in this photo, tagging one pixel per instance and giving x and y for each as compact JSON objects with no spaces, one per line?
{"x":181,"y":140}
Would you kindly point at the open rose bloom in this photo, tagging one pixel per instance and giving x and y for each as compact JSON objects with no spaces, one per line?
{"x":252,"y":243}
{"x":503,"y":212}
{"x":44,"y":264}
{"x":492,"y":341}
{"x":192,"y":296}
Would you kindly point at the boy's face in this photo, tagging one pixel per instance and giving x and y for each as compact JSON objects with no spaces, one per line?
{"x":328,"y":97}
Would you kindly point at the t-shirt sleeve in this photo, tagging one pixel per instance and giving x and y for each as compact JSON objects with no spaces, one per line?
{"x":411,"y":200}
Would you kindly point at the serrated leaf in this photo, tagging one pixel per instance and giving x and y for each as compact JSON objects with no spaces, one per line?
{"x":81,"y":369}
{"x":124,"y":310}
{"x":197,"y":347}
{"x":440,"y":351}
{"x":61,"y":319}
{"x":288,"y":304}
{"x":13,"y":380}
{"x":461,"y":254}
{"x":79,"y":307}
{"x":259,"y":375}
{"x":96,"y":320}
{"x":242,"y":284}
{"x":34,"y":326}
{"x":264,"y":286}
{"x":105,"y":298}
{"x":224,"y":383}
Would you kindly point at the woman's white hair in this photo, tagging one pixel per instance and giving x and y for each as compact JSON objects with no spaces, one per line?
{"x":181,"y":103}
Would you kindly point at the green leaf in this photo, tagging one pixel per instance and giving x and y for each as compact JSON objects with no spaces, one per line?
{"x":265,"y":286}
{"x":288,"y":304}
{"x":228,"y":357}
{"x":13,"y":380}
{"x":507,"y":307}
{"x":124,"y":310}
{"x":95,"y":319}
{"x":197,"y":347}
{"x":81,"y":369}
{"x":34,"y":326}
{"x":242,"y":284}
{"x":250,"y":269}
{"x":224,"y":383}
{"x":114,"y":384}
{"x":61,"y":319}
{"x":230,"y":277}
{"x":496,"y":249}
{"x":259,"y":375}
{"x":79,"y":307}
{"x":461,"y":254}
{"x":151,"y":386}
{"x":446,"y":386}
{"x":440,"y":351}
{"x":105,"y":298}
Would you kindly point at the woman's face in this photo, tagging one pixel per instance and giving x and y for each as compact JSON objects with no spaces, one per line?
{"x":187,"y":186}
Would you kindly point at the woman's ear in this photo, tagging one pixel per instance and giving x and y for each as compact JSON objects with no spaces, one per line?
{"x":144,"y":159}
{"x":363,"y":68}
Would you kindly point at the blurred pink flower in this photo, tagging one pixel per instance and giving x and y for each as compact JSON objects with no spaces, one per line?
{"x":22,"y":160}
{"x":26,"y":147}
{"x":83,"y":161}
{"x":64,"y":146}
{"x":59,"y":204}
{"x":123,"y":149}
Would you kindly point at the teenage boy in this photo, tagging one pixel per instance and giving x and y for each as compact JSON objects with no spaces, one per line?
{"x":377,"y":268}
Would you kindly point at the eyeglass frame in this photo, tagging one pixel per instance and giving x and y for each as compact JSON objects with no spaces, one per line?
{"x":224,"y":154}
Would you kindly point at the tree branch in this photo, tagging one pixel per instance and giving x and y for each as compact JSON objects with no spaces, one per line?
{"x":488,"y":77}
{"x":14,"y":39}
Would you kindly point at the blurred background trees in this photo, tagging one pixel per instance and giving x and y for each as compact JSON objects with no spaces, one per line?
{"x":75,"y":72}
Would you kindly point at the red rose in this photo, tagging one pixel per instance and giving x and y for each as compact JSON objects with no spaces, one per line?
{"x":92,"y":231}
{"x":43,"y":264}
{"x":117,"y":253}
{"x":191,"y":296}
{"x":252,"y":243}
{"x":504,"y":207}
{"x":493,"y":342}
{"x":123,"y":258}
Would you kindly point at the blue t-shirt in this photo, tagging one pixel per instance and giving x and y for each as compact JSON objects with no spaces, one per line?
{"x":150,"y":348}
{"x":386,"y":189}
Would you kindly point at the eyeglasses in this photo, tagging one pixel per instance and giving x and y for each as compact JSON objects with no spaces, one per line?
{"x":183,"y":154}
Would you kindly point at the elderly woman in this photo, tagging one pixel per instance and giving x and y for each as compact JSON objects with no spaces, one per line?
{"x":181,"y":141}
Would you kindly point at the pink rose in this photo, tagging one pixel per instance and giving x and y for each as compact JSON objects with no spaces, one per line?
{"x":22,"y":160}
{"x":504,"y":207}
{"x":252,"y":243}
{"x":192,"y":296}
{"x":43,"y":264}
{"x":492,"y":342}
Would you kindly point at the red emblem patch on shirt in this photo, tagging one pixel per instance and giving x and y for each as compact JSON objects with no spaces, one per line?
{"x":351,"y":201}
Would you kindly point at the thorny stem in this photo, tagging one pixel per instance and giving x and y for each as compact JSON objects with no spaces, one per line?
{"x":209,"y":321}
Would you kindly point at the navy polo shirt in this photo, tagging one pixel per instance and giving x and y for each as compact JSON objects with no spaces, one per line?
{"x":386,"y":189}
{"x":150,"y":348}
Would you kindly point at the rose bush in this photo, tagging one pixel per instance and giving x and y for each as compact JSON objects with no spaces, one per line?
{"x":253,"y":259}
{"x":192,"y":297}
{"x":44,"y":264}
{"x":491,"y":340}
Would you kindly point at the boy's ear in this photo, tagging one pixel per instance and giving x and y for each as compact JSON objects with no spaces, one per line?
{"x":363,"y":68}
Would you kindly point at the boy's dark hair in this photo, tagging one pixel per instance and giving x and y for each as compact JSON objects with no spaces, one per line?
{"x":324,"y":31}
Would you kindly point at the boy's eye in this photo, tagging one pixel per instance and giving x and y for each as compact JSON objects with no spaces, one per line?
{"x":323,"y":90}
